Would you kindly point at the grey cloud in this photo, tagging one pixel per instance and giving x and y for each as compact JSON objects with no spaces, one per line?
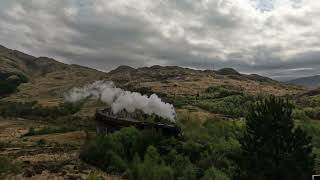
{"x":197,"y":34}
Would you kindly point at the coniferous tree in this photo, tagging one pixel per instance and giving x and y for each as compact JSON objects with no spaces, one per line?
{"x":273,"y":148}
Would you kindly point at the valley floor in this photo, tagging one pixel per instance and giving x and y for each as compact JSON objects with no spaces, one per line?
{"x":50,"y":156}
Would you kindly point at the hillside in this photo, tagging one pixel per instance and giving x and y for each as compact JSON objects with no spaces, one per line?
{"x":51,"y":138}
{"x":312,"y":81}
{"x":175,"y":80}
{"x":45,"y":79}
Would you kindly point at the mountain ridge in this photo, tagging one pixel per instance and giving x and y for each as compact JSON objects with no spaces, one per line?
{"x":310,"y":81}
{"x":50,"y":79}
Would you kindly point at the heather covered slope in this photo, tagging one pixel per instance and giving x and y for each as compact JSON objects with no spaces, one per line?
{"x":47,"y":79}
{"x":174,"y":80}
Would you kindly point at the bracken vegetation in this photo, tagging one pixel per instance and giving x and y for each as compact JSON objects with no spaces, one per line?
{"x":219,"y":148}
{"x":7,"y":166}
{"x":215,"y":149}
{"x":9,"y":82}
{"x":149,"y":155}
{"x":226,"y":100}
{"x":33,"y":109}
{"x":60,"y":118}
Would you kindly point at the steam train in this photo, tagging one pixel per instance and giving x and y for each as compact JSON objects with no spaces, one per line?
{"x":108,"y":122}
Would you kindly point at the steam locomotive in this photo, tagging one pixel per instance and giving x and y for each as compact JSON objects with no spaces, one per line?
{"x":108,"y":122}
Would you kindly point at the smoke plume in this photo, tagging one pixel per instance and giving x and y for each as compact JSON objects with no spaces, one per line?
{"x":120,"y":99}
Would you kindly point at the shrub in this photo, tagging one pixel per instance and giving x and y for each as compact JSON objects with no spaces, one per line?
{"x":214,"y":174}
{"x":180,"y":101}
{"x":128,"y":138}
{"x":93,"y":176}
{"x":4,"y":145}
{"x":41,"y":142}
{"x":223,"y":91}
{"x":152,"y":167}
{"x":313,"y":113}
{"x":7,"y":166}
{"x":234,"y":106}
{"x":313,"y":129}
{"x":112,"y":152}
{"x":113,"y":162}
{"x":271,"y":140}
{"x":213,"y":142}
{"x":94,"y":152}
{"x":299,"y":115}
{"x":32,"y":109}
{"x":9,"y":82}
{"x":49,"y":130}
{"x":181,"y":166}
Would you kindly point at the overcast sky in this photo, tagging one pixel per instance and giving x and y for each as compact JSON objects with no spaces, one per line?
{"x":276,"y":38}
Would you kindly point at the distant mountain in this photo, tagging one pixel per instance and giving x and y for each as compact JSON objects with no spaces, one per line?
{"x":312,"y":81}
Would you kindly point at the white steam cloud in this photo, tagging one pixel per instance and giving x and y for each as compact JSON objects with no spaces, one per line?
{"x":119,"y":99}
